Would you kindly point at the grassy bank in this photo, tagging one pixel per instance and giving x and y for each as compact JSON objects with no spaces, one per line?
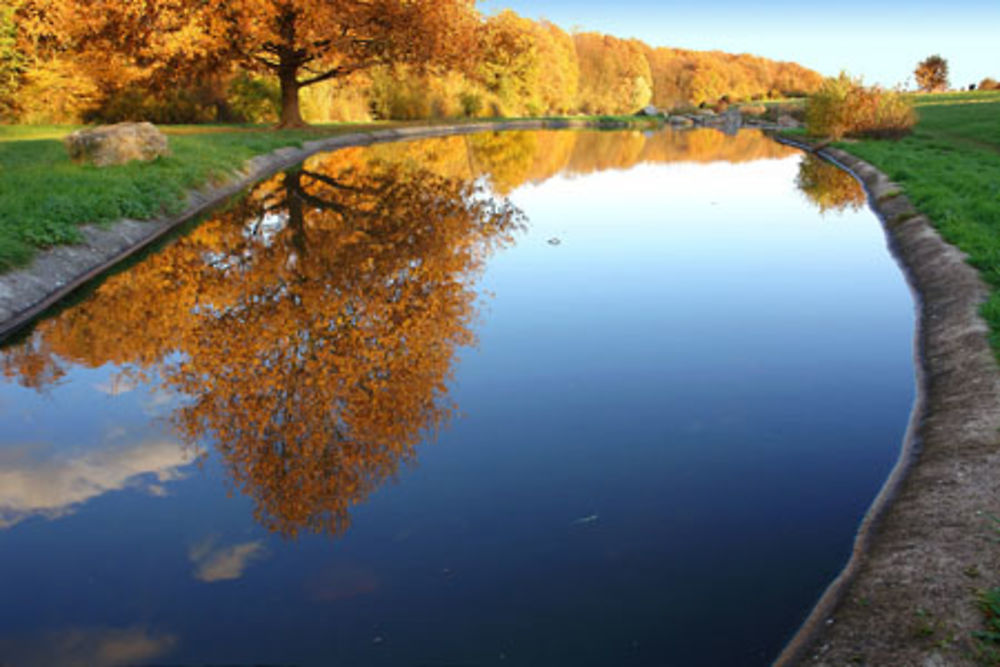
{"x":45,"y":197}
{"x":950,"y":169}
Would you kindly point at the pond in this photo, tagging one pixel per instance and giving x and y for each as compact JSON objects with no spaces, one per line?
{"x":527,"y":398}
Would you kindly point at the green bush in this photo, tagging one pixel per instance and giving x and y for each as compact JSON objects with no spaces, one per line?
{"x":254,"y":100}
{"x":843,"y":107}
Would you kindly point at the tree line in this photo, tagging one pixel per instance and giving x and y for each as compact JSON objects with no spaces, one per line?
{"x":316,"y":60}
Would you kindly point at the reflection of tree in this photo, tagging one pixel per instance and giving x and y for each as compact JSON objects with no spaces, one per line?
{"x":313,"y":325}
{"x":316,"y":326}
{"x":330,"y":364}
{"x":827,"y":186}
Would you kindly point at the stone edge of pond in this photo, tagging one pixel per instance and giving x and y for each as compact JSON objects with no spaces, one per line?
{"x":907,"y":596}
{"x":28,"y":292}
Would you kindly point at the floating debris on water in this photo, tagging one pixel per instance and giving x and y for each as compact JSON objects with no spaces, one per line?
{"x":585,"y":520}
{"x":554,"y":241}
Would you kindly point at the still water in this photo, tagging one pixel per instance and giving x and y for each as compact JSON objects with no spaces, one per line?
{"x":538,"y":398}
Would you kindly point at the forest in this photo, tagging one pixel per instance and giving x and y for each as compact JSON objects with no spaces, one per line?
{"x":296,"y":61}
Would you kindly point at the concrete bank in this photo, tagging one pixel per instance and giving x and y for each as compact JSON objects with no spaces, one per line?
{"x":53,"y":274}
{"x":928,"y":542}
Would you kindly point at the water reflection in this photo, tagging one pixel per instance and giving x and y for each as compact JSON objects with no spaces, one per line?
{"x":88,"y":647}
{"x":829,"y":187}
{"x":312,"y":327}
{"x":622,"y":444}
{"x":35,"y":482}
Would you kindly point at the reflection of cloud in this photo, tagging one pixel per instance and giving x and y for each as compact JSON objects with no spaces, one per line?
{"x":118,"y":385}
{"x":340,"y":581}
{"x":53,"y":486}
{"x":100,"y":647}
{"x":160,"y":401}
{"x":223,"y":563}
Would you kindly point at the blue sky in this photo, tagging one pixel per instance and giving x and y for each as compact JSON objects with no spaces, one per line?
{"x":881,"y":41}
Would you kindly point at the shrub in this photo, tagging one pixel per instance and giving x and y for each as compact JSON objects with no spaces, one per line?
{"x":989,"y":84}
{"x":253,"y":100}
{"x":844,"y":107}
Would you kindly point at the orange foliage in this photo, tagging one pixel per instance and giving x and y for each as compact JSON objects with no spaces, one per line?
{"x":174,"y":60}
{"x":302,"y":42}
{"x":614,"y":74}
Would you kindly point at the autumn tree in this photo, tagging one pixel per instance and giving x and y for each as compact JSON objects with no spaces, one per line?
{"x":508,"y":62}
{"x":12,"y":60}
{"x":614,"y":74}
{"x":301,"y":42}
{"x":932,"y":73}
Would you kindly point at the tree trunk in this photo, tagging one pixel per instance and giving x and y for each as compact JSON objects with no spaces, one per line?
{"x":290,"y":114}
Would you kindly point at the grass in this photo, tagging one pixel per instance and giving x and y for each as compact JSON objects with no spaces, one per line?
{"x":45,"y":197}
{"x":950,"y":169}
{"x":958,"y":97}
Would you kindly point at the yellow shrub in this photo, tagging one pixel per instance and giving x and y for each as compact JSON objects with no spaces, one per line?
{"x":844,"y":107}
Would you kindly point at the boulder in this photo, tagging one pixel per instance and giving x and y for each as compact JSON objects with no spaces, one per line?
{"x":117,"y":144}
{"x":649,"y":110}
{"x":785,"y":120}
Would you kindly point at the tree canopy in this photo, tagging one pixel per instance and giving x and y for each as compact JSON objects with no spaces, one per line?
{"x":302,"y":42}
{"x":184,"y":61}
{"x":932,"y":73}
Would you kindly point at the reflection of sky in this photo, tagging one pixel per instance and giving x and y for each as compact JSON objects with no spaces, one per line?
{"x":98,"y":440}
{"x":34,"y":482}
{"x":882,"y":41}
{"x":700,"y":388}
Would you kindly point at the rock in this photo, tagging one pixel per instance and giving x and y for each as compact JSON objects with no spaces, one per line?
{"x":116,"y":144}
{"x":784,"y":120}
{"x":682,"y":121}
{"x":649,"y":111}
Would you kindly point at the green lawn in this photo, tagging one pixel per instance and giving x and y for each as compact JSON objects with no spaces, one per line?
{"x":44,"y":197}
{"x":960,"y":97}
{"x":950,"y":168}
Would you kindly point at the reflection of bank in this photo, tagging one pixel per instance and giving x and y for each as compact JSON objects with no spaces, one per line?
{"x":312,"y":329}
{"x":829,"y":187}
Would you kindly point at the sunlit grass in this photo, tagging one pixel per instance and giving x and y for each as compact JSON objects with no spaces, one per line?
{"x":950,"y":169}
{"x":958,"y":97}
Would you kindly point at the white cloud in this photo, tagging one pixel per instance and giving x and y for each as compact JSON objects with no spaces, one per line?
{"x":54,"y":486}
{"x":223,"y":563}
{"x":119,"y":384}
